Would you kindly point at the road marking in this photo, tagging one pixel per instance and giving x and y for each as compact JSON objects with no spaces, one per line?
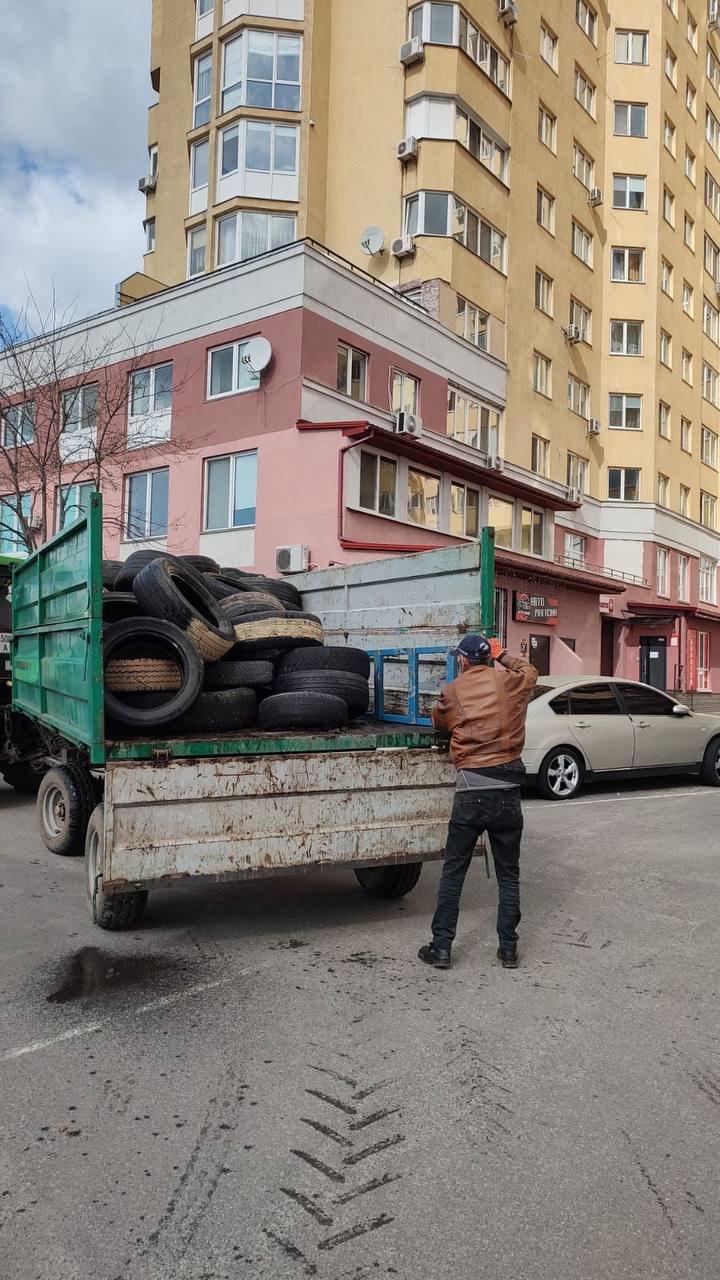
{"x":621,"y":795}
{"x":162,"y":1002}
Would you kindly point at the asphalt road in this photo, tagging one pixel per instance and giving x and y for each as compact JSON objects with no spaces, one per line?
{"x":263,"y":1082}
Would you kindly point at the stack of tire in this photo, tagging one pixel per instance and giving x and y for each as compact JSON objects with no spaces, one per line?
{"x":319,"y":687}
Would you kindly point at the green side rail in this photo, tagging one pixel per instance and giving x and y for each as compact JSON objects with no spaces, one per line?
{"x":57,"y":653}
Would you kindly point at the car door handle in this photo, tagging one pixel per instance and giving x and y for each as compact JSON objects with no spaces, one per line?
{"x":643,"y":724}
{"x":583,"y":724}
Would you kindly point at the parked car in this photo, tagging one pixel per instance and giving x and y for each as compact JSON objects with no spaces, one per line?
{"x":587,"y":729}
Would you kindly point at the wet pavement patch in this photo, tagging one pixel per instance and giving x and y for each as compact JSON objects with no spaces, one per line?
{"x":91,"y":972}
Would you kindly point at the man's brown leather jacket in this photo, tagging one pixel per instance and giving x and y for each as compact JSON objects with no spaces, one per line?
{"x":484,"y":712}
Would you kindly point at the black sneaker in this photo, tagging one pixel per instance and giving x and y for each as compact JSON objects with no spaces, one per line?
{"x":508,"y":957}
{"x":438,"y":957}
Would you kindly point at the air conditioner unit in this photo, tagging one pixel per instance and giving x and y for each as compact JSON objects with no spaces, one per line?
{"x":408,"y":424}
{"x":412,"y":51}
{"x":573,"y":333}
{"x":407,"y":149}
{"x":403,"y":247}
{"x":574,"y":495}
{"x":496,"y":462}
{"x":595,"y":197}
{"x":594,"y":426}
{"x":292,"y":559}
{"x":508,"y":12}
{"x":147,"y":183}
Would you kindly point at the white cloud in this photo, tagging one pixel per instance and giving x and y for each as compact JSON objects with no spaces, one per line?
{"x":74,"y":92}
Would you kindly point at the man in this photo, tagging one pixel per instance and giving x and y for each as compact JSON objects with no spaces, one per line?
{"x":484,"y":712}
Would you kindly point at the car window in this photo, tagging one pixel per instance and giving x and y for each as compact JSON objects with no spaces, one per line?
{"x":560,"y":704}
{"x":643,"y":701}
{"x":593,"y":700}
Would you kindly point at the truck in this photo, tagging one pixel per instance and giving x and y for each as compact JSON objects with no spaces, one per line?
{"x":22,"y":745}
{"x":152,"y":812}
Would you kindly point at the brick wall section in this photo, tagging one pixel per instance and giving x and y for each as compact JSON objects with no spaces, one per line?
{"x":709,"y":702}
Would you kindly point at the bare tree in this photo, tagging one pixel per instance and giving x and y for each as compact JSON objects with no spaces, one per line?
{"x":64,"y":399}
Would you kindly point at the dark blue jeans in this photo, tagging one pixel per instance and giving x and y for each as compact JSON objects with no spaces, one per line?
{"x":475,"y":812}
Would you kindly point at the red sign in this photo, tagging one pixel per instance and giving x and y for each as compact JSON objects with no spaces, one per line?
{"x":692,"y":660}
{"x":607,"y":604}
{"x":527,"y":608}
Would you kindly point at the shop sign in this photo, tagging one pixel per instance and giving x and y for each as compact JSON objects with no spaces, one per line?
{"x":527,"y":608}
{"x":692,"y":660}
{"x":607,"y":604}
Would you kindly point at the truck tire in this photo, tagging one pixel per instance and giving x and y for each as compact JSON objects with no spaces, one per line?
{"x":23,"y":778}
{"x":220,"y":711}
{"x":354,"y":690}
{"x":107,"y":911}
{"x":167,"y":589}
{"x":66,"y":798}
{"x":163,"y":640}
{"x":141,"y":675}
{"x":238,"y":675}
{"x":710,"y":771}
{"x":389,"y":882}
{"x":302,"y":711}
{"x":327,"y":658}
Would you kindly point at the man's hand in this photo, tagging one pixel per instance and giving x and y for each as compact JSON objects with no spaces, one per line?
{"x":496,"y":648}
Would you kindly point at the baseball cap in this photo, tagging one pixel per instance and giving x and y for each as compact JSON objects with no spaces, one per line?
{"x":473,"y":647}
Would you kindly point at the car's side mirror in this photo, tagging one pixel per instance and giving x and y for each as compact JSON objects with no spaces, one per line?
{"x":680,"y":709}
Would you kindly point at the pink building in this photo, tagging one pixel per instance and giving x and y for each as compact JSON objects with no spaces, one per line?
{"x":306,"y":455}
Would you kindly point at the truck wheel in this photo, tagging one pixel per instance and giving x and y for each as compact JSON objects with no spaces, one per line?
{"x":66,"y":799}
{"x":22,"y":778}
{"x":108,"y":911}
{"x":389,"y":882}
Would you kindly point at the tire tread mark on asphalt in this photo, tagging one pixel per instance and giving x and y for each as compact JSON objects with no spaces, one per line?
{"x":291,"y":1250}
{"x":382,"y":1145}
{"x":649,"y":1183}
{"x":373,"y":1119}
{"x":335,"y":1075}
{"x":333,"y":1102}
{"x":321,"y":1167}
{"x":325,"y":1129}
{"x":352,"y":1233}
{"x":707,"y":1084}
{"x":308,"y":1204}
{"x":373,"y":1185}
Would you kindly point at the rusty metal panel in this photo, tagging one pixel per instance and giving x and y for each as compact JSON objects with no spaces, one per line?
{"x":219,"y":817}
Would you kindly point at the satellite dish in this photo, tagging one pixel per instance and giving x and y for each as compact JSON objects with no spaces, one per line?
{"x":372,"y":241}
{"x":257,"y":354}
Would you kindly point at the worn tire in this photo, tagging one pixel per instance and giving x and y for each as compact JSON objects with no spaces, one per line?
{"x":389,"y":882}
{"x":219,"y":588}
{"x":549,"y":767}
{"x":271,"y":631}
{"x":136,"y":561}
{"x":66,"y":798}
{"x":201,"y":564}
{"x":327,"y":658}
{"x":138,"y":675}
{"x":243,"y":603}
{"x":23,"y":778}
{"x":302,"y":711}
{"x":219,"y":711}
{"x":710,"y":770}
{"x":167,"y":589}
{"x":284,"y":591}
{"x":353,"y":689}
{"x":239,"y":675}
{"x":110,"y":571}
{"x":119,"y":605}
{"x":165,"y":641}
{"x":107,"y":911}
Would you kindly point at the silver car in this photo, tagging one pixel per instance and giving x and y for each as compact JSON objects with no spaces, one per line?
{"x":583,"y":729}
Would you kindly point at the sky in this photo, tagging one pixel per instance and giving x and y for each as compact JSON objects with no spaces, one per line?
{"x":74,"y":93}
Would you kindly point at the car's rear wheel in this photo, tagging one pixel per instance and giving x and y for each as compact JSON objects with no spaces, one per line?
{"x":561,"y":774}
{"x":710,"y":771}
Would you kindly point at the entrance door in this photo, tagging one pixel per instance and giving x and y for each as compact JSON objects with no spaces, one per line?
{"x":540,"y":654}
{"x":653,"y":661}
{"x":607,"y":647}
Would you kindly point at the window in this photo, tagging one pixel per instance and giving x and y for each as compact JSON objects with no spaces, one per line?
{"x":703,"y":661}
{"x":576,"y":472}
{"x":583,"y":166}
{"x":711,"y":321}
{"x":204,"y":6}
{"x":593,"y":700}
{"x":683,"y":577}
{"x":540,"y":456}
{"x":712,"y":195}
{"x":547,"y":128}
{"x":351,"y":372}
{"x":628,"y":191}
{"x":628,"y":266}
{"x":472,"y":323}
{"x":686,"y":366}
{"x":689,"y":231}
{"x":74,"y":502}
{"x":690,"y":165}
{"x":691,"y":98}
{"x":149,"y":225}
{"x":625,"y":411}
{"x":481,"y":143}
{"x":664,"y":420}
{"x":80,"y":409}
{"x":586,"y":18}
{"x":146,"y":504}
{"x":666,"y":277}
{"x":423,"y":498}
{"x":692,"y":32}
{"x":663,"y":484}
{"x":268,"y":148}
{"x":631,"y":47}
{"x":18,"y":425}
{"x":546,"y":210}
{"x":643,"y":701}
{"x":437,"y":213}
{"x":708,"y":506}
{"x":669,"y":135}
{"x":661,"y":569}
{"x":196,"y":241}
{"x":262,"y":69}
{"x":686,"y":435}
{"x":231,"y":491}
{"x":532,"y":531}
{"x":245,"y":235}
{"x":203,"y":90}
{"x":438,"y":23}
{"x":151,"y":390}
{"x":710,"y":383}
{"x":626,"y":337}
{"x":665,"y":349}
{"x":542,"y":378}
{"x":585,"y":92}
{"x":14,"y":513}
{"x":501,"y":518}
{"x":405,"y":392}
{"x":543,"y":292}
{"x":670,"y":65}
{"x":199,"y":165}
{"x":232,"y":83}
{"x":708,"y":581}
{"x":464,"y":511}
{"x":488,"y":58}
{"x":688,"y":298}
{"x":378,"y":483}
{"x":575,"y":550}
{"x":709,"y":447}
{"x":712,"y":257}
{"x":548,"y":46}
{"x":624,"y":484}
{"x":578,"y":396}
{"x":668,"y":206}
{"x":684,"y":504}
{"x":228,"y":373}
{"x":712,"y":69}
{"x":472,"y":422}
{"x":581,"y":243}
{"x":712,"y":131}
{"x":581,"y":316}
{"x":631,"y":119}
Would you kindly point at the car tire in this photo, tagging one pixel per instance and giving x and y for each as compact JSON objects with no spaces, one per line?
{"x":65,"y":801}
{"x":218,"y":711}
{"x":238,"y":675}
{"x":283,"y":591}
{"x":107,"y":911}
{"x":710,"y":770}
{"x":136,"y":561}
{"x":201,"y":564}
{"x":140,"y":675}
{"x":353,"y":689}
{"x":242,"y":603}
{"x":561,"y":774}
{"x":389,"y":882}
{"x":110,"y":571}
{"x":119,"y":605}
{"x":167,"y":589}
{"x":302,"y":711}
{"x":270,"y":631}
{"x":327,"y":658}
{"x":163,"y":640}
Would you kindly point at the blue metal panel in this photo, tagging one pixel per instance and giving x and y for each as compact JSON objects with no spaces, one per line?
{"x":413,"y":656}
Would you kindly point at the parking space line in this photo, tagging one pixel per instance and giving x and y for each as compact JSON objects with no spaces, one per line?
{"x":620,"y":795}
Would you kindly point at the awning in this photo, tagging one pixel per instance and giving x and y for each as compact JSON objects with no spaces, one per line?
{"x":650,"y":619}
